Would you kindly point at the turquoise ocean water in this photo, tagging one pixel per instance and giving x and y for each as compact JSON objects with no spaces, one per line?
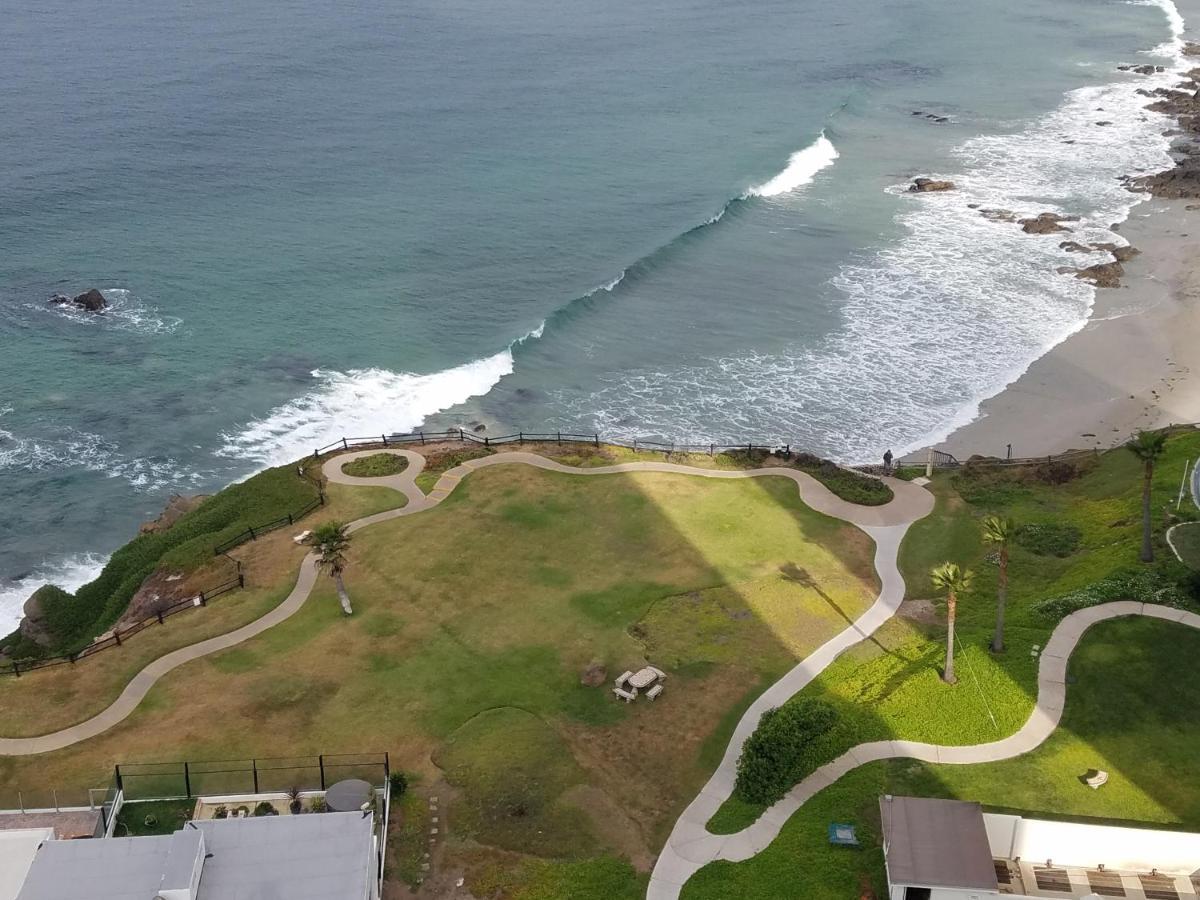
{"x":674,"y":219}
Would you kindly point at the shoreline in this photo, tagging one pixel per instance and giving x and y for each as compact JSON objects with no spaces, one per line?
{"x":1135,"y":363}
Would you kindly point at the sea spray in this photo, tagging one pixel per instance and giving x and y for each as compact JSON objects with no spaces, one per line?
{"x":802,"y":168}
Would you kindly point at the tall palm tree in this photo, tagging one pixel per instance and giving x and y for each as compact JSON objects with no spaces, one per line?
{"x":332,"y":542}
{"x":953,"y":580}
{"x":999,"y":531}
{"x":1147,"y":446}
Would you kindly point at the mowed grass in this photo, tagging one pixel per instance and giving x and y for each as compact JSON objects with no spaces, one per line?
{"x":473,"y":622}
{"x":1141,"y":668}
{"x":377,"y":465}
{"x":891,"y":687}
{"x":49,"y":699}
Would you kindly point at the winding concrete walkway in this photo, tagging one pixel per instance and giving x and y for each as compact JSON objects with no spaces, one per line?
{"x":886,"y":524}
{"x":691,"y":846}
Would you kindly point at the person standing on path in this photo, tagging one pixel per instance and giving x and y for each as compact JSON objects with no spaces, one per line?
{"x":887,"y":460}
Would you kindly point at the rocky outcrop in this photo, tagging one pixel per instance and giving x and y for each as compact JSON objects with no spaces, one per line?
{"x":177,"y":507}
{"x":1141,"y":70}
{"x":91,"y":301}
{"x":929,"y":186}
{"x":1075,"y":247}
{"x":998,"y":215}
{"x":35,"y":626}
{"x":1045,"y":223}
{"x":1105,"y":275}
{"x":162,"y":589}
{"x":1121,"y":253}
{"x":1181,"y":182}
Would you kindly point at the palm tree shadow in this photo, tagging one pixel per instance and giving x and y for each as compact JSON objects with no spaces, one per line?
{"x":796,"y":575}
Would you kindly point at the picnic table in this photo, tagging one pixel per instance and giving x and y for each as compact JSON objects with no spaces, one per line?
{"x":643,"y":678}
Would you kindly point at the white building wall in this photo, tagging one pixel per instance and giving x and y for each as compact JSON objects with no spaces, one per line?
{"x":1073,"y":844}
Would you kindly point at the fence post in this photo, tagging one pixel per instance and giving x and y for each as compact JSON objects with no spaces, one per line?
{"x":321,"y":497}
{"x":712,"y":449}
{"x":16,"y":669}
{"x":117,"y":636}
{"x":385,"y":440}
{"x":241,"y":580}
{"x":345,"y":444}
{"x":461,"y":439}
{"x":487,"y":441}
{"x":422,"y":437}
{"x":71,"y":656}
{"x":559,"y":435}
{"x":203,"y":599}
{"x":929,"y":463}
{"x":596,"y":439}
{"x":290,"y":522}
{"x":160,"y":617}
{"x":316,"y":454}
{"x":321,"y":764}
{"x":187,"y":781}
{"x":254,"y":766}
{"x":520,"y":437}
{"x":253,"y":536}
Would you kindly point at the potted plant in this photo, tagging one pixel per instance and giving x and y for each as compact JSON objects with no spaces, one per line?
{"x":221,"y":812}
{"x":294,"y":803}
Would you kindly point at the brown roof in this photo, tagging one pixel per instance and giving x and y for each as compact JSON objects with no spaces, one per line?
{"x":936,"y":843}
{"x":66,"y":825}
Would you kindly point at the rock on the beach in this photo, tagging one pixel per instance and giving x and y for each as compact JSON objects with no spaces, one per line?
{"x":1105,"y":275}
{"x":35,"y":627}
{"x":929,"y":185}
{"x":1122,"y":253}
{"x":1045,"y":223}
{"x":1180,"y":183}
{"x":91,"y":300}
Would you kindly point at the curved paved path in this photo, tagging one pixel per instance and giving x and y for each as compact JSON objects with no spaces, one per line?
{"x":886,"y":524}
{"x":691,"y":846}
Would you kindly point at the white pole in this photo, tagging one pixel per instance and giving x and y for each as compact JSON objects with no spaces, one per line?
{"x":1182,"y":485}
{"x":929,"y":463}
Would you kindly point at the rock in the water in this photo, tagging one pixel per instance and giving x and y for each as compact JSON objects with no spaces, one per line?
{"x":1045,"y":223}
{"x":35,"y":626}
{"x":1075,"y":247}
{"x":91,"y":300}
{"x":177,"y":507}
{"x":1105,"y":275}
{"x":929,"y":185}
{"x":1141,"y":70}
{"x":998,"y":215}
{"x":594,"y":675}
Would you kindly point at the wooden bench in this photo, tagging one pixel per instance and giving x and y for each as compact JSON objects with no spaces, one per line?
{"x":654,"y":692}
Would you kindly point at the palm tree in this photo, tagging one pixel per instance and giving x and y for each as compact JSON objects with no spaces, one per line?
{"x":999,"y":531}
{"x":332,"y":542}
{"x":954,"y":581}
{"x":1147,"y":446}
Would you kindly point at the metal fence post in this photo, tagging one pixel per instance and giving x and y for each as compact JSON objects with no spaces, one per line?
{"x":345,"y":444}
{"x":321,"y":764}
{"x":487,"y":441}
{"x":596,"y":439}
{"x":187,"y":781}
{"x":461,"y":439}
{"x":422,"y":437}
{"x":254,"y":766}
{"x":520,"y":437}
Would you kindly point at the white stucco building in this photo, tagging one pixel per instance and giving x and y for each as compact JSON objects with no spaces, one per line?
{"x":953,"y":850}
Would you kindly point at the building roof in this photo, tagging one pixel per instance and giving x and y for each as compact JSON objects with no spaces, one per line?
{"x":17,"y":849}
{"x":326,"y":856}
{"x":936,"y":843}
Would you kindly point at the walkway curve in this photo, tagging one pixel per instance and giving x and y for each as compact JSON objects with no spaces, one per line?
{"x":691,"y":846}
{"x":884,"y":523}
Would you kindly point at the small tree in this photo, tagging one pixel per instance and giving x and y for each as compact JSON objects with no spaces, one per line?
{"x":953,"y":580}
{"x":1147,"y":446}
{"x":999,"y":532}
{"x":332,"y":542}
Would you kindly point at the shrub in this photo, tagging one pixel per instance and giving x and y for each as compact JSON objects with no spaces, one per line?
{"x":377,"y":465}
{"x":221,"y":812}
{"x":398,"y":784}
{"x":778,"y":751}
{"x":317,"y":805}
{"x":851,"y":486}
{"x":265,"y":808}
{"x":1049,"y":538}
{"x":1146,"y":586}
{"x":242,"y":810}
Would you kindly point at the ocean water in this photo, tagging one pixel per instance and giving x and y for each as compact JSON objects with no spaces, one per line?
{"x":665,"y":219}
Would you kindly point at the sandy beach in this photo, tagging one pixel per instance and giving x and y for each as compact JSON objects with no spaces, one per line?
{"x":1134,"y":365}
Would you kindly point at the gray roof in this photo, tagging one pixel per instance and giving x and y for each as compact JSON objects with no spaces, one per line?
{"x":326,"y":856}
{"x":319,"y":856}
{"x":936,"y":843}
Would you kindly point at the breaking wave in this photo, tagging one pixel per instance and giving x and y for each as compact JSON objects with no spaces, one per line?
{"x":68,"y":573}
{"x":802,"y":168}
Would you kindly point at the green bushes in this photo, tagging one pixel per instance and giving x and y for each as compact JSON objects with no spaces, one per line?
{"x":851,"y":486}
{"x":377,"y":465}
{"x":72,"y":621}
{"x":779,"y":750}
{"x":1049,"y":538}
{"x":1146,"y":586}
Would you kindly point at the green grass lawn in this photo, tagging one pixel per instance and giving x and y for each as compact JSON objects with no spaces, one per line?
{"x":890,"y":687}
{"x":1134,"y":711}
{"x":377,"y":465}
{"x":1187,"y":541}
{"x":472,"y":624}
{"x":153,"y":817}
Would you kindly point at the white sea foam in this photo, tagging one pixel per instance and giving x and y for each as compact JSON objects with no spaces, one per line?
{"x":361,"y":402}
{"x":125,"y":312}
{"x":943,"y":318}
{"x":69,"y":448}
{"x":69,"y":573}
{"x":802,"y":168}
